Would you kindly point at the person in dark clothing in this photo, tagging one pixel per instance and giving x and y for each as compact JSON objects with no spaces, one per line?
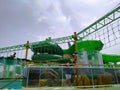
{"x":68,"y":73}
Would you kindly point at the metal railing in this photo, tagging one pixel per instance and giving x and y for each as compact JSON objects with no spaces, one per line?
{"x":62,"y":76}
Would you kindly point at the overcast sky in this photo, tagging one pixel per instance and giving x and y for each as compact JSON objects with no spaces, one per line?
{"x":35,"y":20}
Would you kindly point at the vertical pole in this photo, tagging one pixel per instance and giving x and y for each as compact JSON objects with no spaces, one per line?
{"x":4,"y":72}
{"x":27,"y":47}
{"x":8,"y":71}
{"x":15,"y":66}
{"x":62,"y":77}
{"x":116,"y":76}
{"x":85,"y":59}
{"x":76,"y":57}
{"x":27,"y":83}
{"x":100,"y":61}
{"x":92,"y":77}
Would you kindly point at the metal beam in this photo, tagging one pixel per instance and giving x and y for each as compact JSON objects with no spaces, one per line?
{"x":23,"y":46}
{"x":100,"y":23}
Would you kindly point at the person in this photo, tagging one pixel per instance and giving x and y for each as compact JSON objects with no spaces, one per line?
{"x":14,"y":55}
{"x":68,"y":73}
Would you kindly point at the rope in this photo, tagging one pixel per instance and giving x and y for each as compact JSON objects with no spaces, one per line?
{"x":118,"y":24}
{"x":108,"y":36}
{"x":113,"y":32}
{"x":104,"y":37}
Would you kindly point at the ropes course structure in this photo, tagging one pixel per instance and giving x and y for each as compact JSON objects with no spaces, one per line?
{"x":106,"y":29}
{"x":83,"y":54}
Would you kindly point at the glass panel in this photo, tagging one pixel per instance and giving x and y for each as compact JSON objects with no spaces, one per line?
{"x":102,"y":76}
{"x":25,"y":76}
{"x":110,"y":76}
{"x":98,"y":76}
{"x":51,"y":76}
{"x":66,"y":76}
{"x":117,"y":73}
{"x":1,"y":71}
{"x":33,"y":79}
{"x":92,"y":57}
{"x":84,"y":78}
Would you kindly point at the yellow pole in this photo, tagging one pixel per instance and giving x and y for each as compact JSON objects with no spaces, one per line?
{"x":27,"y":48}
{"x":76,"y":48}
{"x":76,"y":57}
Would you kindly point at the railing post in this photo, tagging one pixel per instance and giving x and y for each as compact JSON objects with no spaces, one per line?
{"x":62,"y":76}
{"x":92,"y":77}
{"x":76,"y":56}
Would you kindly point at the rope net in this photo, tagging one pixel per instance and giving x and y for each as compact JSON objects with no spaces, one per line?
{"x":109,"y":35}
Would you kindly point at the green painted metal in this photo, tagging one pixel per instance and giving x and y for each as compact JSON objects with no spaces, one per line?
{"x":87,"y":45}
{"x":100,"y":23}
{"x":111,"y":58}
{"x":45,"y":57}
{"x":64,"y":61}
{"x":66,"y":51}
{"x":46,"y":51}
{"x":7,"y":71}
{"x":9,"y":62}
{"x":11,"y":66}
{"x":47,"y":48}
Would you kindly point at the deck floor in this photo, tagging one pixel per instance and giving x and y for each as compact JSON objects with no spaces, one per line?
{"x":73,"y":88}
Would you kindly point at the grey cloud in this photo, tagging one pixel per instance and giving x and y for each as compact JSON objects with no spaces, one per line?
{"x":22,"y":20}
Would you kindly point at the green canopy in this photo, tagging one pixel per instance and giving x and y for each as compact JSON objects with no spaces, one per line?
{"x":111,"y":58}
{"x":46,"y":51}
{"x":87,"y":45}
{"x":47,"y":48}
{"x":45,"y":57}
{"x":65,"y":51}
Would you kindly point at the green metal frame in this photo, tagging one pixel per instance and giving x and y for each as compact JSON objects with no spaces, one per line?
{"x":100,"y":23}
